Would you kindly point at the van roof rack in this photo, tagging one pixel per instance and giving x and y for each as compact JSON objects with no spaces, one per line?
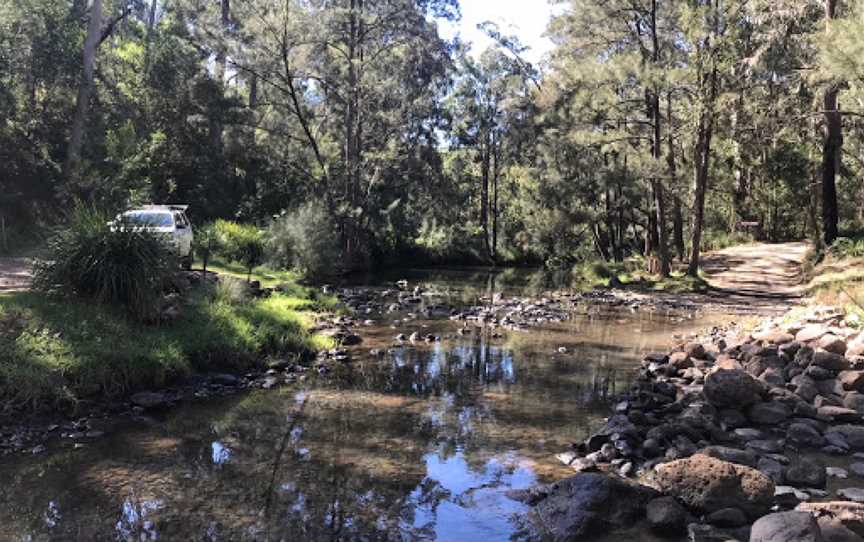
{"x":172,"y":207}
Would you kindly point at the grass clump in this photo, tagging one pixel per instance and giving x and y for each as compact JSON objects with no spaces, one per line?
{"x":55,"y":352}
{"x":92,"y":258}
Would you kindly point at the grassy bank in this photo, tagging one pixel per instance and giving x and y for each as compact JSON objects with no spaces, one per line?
{"x":631,"y":274}
{"x":57,"y":351}
{"x":838,"y":280}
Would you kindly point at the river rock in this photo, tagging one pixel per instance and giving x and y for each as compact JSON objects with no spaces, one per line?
{"x":839,"y":414}
{"x":774,"y":336}
{"x":830,"y":361}
{"x":811,"y":333}
{"x":805,"y":435}
{"x":772,"y":469}
{"x":834,"y":531}
{"x":806,"y":472}
{"x":832,"y":343}
{"x":587,"y":504}
{"x":707,"y":484}
{"x":855,"y":347}
{"x":855,"y":401}
{"x":733,"y":455}
{"x":732,"y":388}
{"x":854,"y":494}
{"x":665,"y":515}
{"x":851,"y":380}
{"x":853,"y":434}
{"x":727,"y":517}
{"x":786,"y":527}
{"x":768,"y":413}
{"x":850,"y":514}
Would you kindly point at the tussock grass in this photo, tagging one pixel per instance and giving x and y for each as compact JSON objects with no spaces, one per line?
{"x":56,"y":351}
{"x":839,"y":280}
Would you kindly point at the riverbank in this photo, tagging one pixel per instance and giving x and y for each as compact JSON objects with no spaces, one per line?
{"x":723,"y":430}
{"x":63,"y":359}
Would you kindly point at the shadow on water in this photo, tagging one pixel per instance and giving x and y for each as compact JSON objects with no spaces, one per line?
{"x":421,"y":444}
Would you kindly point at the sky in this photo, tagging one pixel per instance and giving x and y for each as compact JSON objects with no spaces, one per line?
{"x":526,"y":19}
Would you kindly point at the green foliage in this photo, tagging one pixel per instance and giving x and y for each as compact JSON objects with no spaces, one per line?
{"x":109,"y":262}
{"x":55,"y":352}
{"x":241,"y":243}
{"x":207,"y":242}
{"x":844,"y":247}
{"x":306,"y":239}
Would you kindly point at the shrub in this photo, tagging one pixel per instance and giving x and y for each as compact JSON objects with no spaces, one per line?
{"x":307,"y":240}
{"x":241,"y":243}
{"x":90,"y":257}
{"x":207,"y":243}
{"x":844,"y":247}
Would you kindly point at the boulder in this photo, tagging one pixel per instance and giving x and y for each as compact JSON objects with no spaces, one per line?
{"x":834,"y":531}
{"x":854,"y":494}
{"x":805,"y":387}
{"x":832,"y":343}
{"x":839,"y":414}
{"x":811,"y":333}
{"x":855,"y":401}
{"x":850,"y":514}
{"x":707,"y":484}
{"x":790,"y":526}
{"x":774,"y":336}
{"x":804,"y":435}
{"x":665,"y":515}
{"x":727,"y":517}
{"x":772,"y":469}
{"x":587,"y":504}
{"x":732,"y":388}
{"x":851,"y":380}
{"x":830,"y":361}
{"x":853,"y":434}
{"x":694,"y":350}
{"x":733,"y":455}
{"x":855,"y":347}
{"x":768,"y":413}
{"x":807,"y":472}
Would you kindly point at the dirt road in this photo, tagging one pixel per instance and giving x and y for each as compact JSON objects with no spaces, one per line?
{"x":758,"y":269}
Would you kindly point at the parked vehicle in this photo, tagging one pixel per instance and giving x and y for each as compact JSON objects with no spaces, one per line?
{"x":168,"y":220}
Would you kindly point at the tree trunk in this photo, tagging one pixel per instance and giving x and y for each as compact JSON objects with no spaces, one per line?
{"x":831,"y":148}
{"x":701,"y":163}
{"x":677,"y":217}
{"x":662,"y":246}
{"x":678,"y":228}
{"x":148,"y":39}
{"x":216,"y":127}
{"x":485,"y":167}
{"x":85,"y":88}
{"x":495,"y":175}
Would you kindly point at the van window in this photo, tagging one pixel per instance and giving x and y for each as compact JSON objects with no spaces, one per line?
{"x":148,"y":219}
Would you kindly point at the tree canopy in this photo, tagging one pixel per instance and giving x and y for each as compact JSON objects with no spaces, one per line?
{"x":653,"y":128}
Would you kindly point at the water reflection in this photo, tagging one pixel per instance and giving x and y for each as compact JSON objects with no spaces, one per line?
{"x":419,"y":445}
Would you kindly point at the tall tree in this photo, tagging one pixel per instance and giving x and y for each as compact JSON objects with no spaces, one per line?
{"x":832,"y":146}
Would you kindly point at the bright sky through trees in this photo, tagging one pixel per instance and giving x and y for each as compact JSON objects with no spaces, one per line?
{"x":526,"y":19}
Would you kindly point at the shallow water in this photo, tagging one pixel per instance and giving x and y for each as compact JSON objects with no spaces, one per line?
{"x":421,"y":444}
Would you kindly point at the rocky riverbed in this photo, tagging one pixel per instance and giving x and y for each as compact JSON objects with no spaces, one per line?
{"x":728,"y":437}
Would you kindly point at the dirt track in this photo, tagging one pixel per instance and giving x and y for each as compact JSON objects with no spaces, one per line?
{"x":758,"y":269}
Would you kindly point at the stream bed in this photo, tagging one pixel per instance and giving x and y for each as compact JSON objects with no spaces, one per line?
{"x":420,"y":443}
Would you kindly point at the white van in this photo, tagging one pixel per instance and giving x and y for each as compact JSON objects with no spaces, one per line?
{"x":170,"y":220}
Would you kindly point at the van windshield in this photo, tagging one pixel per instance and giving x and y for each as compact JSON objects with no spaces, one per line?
{"x":148,"y":219}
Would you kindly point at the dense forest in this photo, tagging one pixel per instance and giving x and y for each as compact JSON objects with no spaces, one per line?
{"x":653,"y":129}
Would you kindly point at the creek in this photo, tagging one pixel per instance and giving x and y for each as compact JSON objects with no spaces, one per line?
{"x":422,"y":443}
